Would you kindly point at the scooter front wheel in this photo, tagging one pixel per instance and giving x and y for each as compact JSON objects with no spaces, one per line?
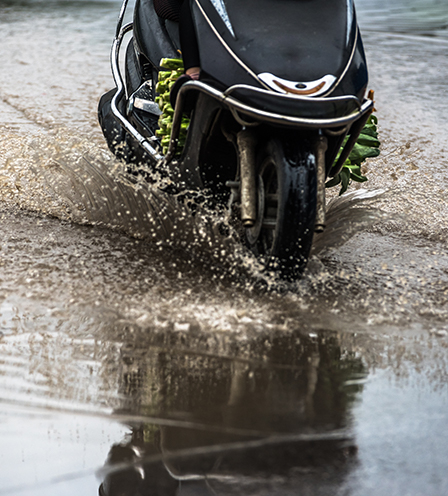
{"x":283,"y":233}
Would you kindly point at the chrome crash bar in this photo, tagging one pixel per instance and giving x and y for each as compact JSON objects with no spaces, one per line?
{"x":114,"y":58}
{"x":240,"y":109}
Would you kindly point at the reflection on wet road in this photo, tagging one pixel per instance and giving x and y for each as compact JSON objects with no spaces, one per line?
{"x":141,"y":350}
{"x":239,"y":426}
{"x":193,"y":412}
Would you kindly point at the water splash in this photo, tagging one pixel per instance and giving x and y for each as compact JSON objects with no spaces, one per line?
{"x":347,"y":215}
{"x":73,"y":179}
{"x":76,"y":179}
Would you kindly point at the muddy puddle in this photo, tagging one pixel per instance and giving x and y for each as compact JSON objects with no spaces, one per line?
{"x":143,"y":352}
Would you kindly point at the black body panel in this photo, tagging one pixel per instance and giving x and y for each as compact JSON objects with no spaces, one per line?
{"x":298,"y":40}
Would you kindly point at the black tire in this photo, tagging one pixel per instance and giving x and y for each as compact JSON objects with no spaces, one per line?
{"x":283,"y":234}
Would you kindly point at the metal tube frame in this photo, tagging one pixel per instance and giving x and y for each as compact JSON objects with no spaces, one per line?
{"x":261,"y":115}
{"x":114,"y":59}
{"x":355,"y":131}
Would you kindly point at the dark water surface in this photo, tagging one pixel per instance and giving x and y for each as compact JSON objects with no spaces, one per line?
{"x":138,"y":350}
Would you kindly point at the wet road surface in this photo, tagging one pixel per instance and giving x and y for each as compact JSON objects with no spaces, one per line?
{"x":140,"y":350}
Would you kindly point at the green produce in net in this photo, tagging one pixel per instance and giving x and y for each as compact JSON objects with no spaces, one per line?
{"x":172,"y":69}
{"x":366,"y":146}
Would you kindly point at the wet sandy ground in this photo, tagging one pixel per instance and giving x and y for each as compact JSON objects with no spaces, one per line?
{"x":133,"y":333}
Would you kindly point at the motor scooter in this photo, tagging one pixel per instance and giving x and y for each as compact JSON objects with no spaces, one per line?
{"x":278,"y":107}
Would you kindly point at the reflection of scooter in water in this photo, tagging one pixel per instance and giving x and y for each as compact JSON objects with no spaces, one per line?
{"x":225,"y":426}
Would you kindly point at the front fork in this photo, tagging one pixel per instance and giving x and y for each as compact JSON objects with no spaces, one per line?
{"x":246,"y":143}
{"x":321,"y":148}
{"x":247,"y":191}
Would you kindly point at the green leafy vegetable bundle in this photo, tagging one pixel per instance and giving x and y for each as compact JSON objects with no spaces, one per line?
{"x":173,"y":68}
{"x":367,"y":145}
